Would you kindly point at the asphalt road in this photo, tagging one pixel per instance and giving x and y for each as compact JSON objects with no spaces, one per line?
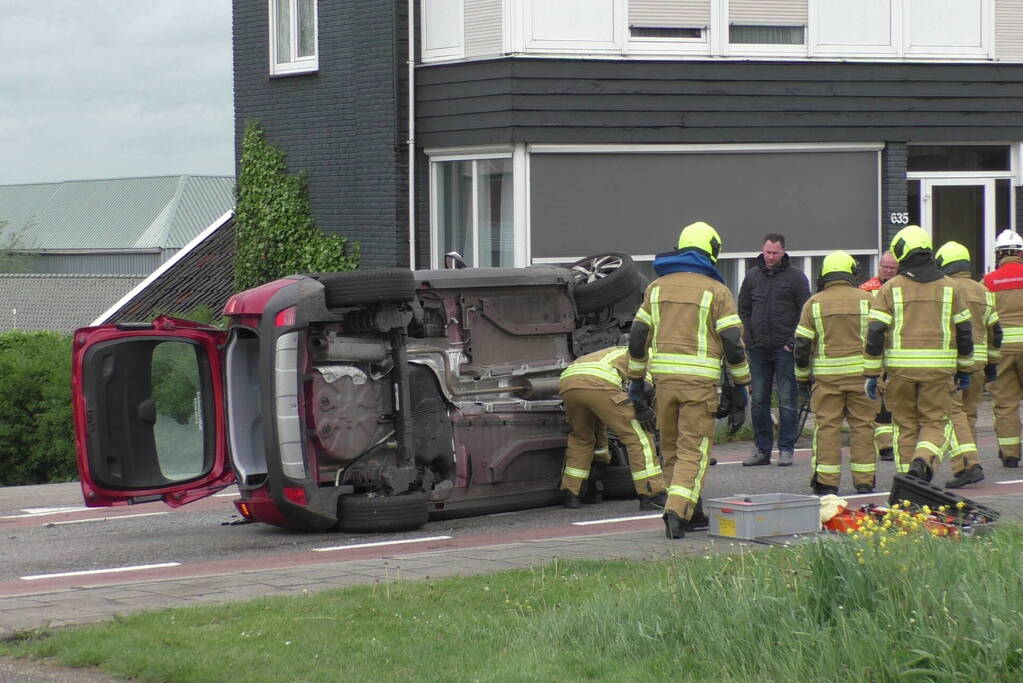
{"x":46,"y":531}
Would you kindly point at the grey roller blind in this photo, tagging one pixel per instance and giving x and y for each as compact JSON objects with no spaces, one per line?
{"x":636,"y":203}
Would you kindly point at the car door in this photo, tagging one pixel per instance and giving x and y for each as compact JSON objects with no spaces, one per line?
{"x":148,"y":403}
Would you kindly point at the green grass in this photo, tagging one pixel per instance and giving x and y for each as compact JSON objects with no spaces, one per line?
{"x":916,"y":609}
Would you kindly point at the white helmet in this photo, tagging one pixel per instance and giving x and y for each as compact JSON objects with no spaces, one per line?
{"x":1008,"y":240}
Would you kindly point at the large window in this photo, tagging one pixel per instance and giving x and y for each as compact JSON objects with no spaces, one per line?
{"x":474,"y":211}
{"x":293,"y":41}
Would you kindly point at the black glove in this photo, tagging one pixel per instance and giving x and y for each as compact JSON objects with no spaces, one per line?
{"x":637,"y":393}
{"x":645,"y":416}
{"x":963,"y":380}
{"x":870,"y":388}
{"x":990,"y":372}
{"x":738,"y":415}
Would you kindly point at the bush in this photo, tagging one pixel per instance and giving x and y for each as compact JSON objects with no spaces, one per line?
{"x":36,"y":434}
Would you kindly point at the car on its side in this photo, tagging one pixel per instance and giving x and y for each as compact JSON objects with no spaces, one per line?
{"x":368,"y":401}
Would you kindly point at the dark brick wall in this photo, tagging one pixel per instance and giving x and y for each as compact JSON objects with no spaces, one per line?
{"x":339,"y":125}
{"x":893,"y":189}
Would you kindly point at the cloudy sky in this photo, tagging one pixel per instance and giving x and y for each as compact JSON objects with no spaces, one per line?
{"x":115,"y":88}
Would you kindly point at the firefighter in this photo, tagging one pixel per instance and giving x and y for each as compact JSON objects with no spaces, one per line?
{"x":886,"y":270}
{"x":954,"y":260}
{"x":592,"y":392}
{"x":920,"y":334}
{"x":685,"y":326}
{"x":1006,"y":282}
{"x":829,"y":357}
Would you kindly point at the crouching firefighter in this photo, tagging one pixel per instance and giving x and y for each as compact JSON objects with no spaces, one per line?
{"x":686,"y":325}
{"x":919,"y":332}
{"x":829,"y":358}
{"x":592,"y":393}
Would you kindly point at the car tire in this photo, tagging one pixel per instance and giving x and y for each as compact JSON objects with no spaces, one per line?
{"x":369,"y":514}
{"x":603,"y":280}
{"x":618,"y":482}
{"x":385,"y":285}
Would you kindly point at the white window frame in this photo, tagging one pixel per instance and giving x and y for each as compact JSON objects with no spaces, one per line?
{"x":518,"y":19}
{"x":446,"y":53}
{"x":900,"y":32}
{"x":294,"y":64}
{"x":517,"y":153}
{"x":768,"y":50}
{"x":667,"y":46}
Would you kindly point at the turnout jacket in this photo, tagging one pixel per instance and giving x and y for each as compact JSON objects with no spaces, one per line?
{"x":987,"y":332}
{"x":686,"y":325}
{"x":603,"y":370}
{"x":1006,"y":282}
{"x":919,"y":331}
{"x":831,"y":333}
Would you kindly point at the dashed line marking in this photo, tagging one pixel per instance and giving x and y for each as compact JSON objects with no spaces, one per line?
{"x":112,"y":570}
{"x":618,"y":519}
{"x":380,"y":543}
{"x":105,"y":519}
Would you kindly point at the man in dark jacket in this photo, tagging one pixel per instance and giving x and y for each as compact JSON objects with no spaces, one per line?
{"x":770,"y":301}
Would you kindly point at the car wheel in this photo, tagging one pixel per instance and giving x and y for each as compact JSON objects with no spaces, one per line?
{"x":386,"y":285}
{"x":603,"y":280}
{"x":367,"y":514}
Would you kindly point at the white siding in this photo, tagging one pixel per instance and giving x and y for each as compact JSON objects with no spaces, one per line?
{"x":679,"y":13}
{"x":1009,"y":30}
{"x":767,"y":11}
{"x":483,"y":28}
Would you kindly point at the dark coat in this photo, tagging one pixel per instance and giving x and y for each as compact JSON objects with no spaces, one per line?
{"x":770,"y":302}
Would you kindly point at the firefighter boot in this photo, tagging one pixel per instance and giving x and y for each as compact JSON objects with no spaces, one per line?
{"x":1008,"y":461}
{"x":570,"y":500}
{"x":864,"y":488}
{"x":920,"y":469}
{"x":699,"y":520}
{"x":674,"y":526}
{"x":967,"y":475}
{"x":654,"y":502}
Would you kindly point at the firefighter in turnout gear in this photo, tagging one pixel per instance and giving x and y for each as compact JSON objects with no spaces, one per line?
{"x":886,"y":270}
{"x":954,"y":260}
{"x":829,"y":355}
{"x":1006,"y":282}
{"x":686,"y":325}
{"x":920,"y":334}
{"x":592,"y":391}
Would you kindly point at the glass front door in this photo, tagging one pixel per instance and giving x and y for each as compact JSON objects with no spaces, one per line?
{"x":962,"y":210}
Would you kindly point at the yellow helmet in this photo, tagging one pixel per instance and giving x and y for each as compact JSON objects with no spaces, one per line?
{"x":909,"y":239}
{"x":950,"y":252}
{"x":839,"y":262}
{"x":701,"y":236}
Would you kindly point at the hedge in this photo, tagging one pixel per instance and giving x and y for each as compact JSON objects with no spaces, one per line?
{"x":36,"y":433}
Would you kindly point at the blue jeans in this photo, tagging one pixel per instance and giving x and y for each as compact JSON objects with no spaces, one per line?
{"x":768,"y":366}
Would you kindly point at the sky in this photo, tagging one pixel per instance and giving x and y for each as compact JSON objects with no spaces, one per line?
{"x":114,"y":89}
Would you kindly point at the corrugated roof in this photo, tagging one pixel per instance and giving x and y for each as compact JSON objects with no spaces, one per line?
{"x":58,"y":302}
{"x":124,"y":213}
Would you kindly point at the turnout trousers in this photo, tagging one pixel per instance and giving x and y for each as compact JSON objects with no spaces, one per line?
{"x":1006,"y":393}
{"x":883,"y":428}
{"x":831,"y":404}
{"x":961,"y":431}
{"x":685,"y":417}
{"x":588,"y":410}
{"x":920,"y":412}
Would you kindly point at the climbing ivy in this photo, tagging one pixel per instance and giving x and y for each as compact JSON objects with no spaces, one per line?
{"x":275,"y":233}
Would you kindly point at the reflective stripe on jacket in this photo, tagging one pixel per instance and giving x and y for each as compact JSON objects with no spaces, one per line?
{"x":686,"y":314}
{"x":604,"y":369}
{"x":921,"y":320}
{"x":831,"y":333}
{"x":1006,"y":282}
{"x":983,"y":315}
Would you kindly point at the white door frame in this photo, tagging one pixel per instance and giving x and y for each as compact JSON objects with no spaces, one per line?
{"x":983,"y":261}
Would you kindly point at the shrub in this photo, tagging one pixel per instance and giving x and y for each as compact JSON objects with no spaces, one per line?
{"x":36,"y":435}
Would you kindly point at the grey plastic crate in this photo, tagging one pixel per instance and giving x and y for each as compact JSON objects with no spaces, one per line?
{"x":765,"y":514}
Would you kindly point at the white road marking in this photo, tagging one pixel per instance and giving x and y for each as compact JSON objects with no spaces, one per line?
{"x":106,"y":519}
{"x":866,"y":495}
{"x":380,"y":543}
{"x":40,"y":512}
{"x":618,"y":519}
{"x":112,"y":570}
{"x":1010,"y":481}
{"x":737,"y":462}
{"x":225,"y":495}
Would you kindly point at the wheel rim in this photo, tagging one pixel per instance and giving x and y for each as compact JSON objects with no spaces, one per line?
{"x":596,"y":268}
